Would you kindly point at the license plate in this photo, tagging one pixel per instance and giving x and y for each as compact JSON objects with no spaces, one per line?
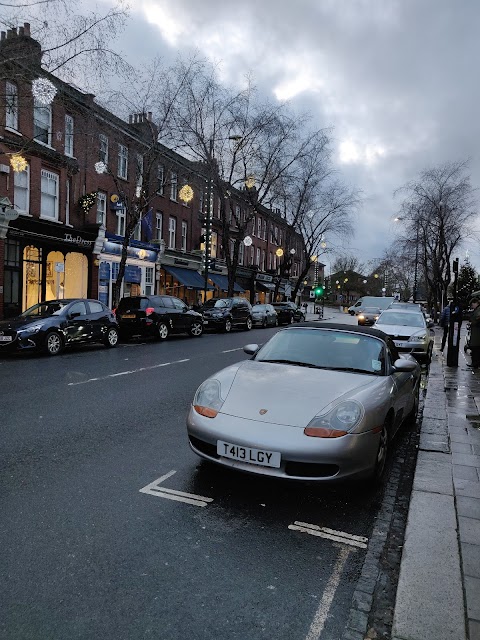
{"x":247,"y":454}
{"x":6,"y":338}
{"x":205,"y":322}
{"x":398,"y":344}
{"x":128,"y":315}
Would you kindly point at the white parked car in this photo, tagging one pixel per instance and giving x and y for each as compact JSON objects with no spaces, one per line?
{"x":409,"y":331}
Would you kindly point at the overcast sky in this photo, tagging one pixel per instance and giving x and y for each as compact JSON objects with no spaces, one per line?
{"x":396,"y":79}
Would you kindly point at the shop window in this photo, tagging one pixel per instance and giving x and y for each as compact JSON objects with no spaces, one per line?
{"x":11,"y":103}
{"x":68,"y":135}
{"x":49,"y":200}
{"x":11,"y":282}
{"x":42,"y":122}
{"x":21,"y":190}
{"x":122,"y":169}
{"x":103,"y":150}
{"x":32,"y":277}
{"x":101,"y":208}
{"x":55,"y":276}
{"x":76,"y":275}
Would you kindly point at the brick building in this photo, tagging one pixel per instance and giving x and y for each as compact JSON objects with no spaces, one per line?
{"x":63,"y":235}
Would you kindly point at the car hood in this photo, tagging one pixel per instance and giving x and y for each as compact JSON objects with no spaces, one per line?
{"x":397,"y":329}
{"x":15,"y":324}
{"x":288,"y":394}
{"x":214,"y":311}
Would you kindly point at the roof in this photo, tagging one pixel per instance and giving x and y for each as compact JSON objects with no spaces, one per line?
{"x":369,"y":331}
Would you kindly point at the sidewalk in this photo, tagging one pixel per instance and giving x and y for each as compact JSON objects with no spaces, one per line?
{"x":438,"y":595}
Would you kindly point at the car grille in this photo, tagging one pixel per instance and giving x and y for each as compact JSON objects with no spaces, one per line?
{"x":311,"y":470}
{"x":209,"y":450}
{"x":399,"y":337}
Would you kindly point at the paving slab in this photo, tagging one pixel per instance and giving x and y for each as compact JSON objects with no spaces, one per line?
{"x":472,"y":591}
{"x":471,"y":559}
{"x":431,"y":535}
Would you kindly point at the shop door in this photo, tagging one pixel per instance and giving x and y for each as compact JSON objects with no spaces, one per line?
{"x":32,"y":277}
{"x":55,"y":280}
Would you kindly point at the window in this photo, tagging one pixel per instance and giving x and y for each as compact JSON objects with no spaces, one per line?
{"x":172,"y":230}
{"x":21,"y":190}
{"x":68,"y":135}
{"x":263,"y":261}
{"x":173,"y":186}
{"x":49,"y":198}
{"x":257,"y":262}
{"x":160,"y":180}
{"x":122,"y":171}
{"x":78,"y":307}
{"x":68,"y":186}
{"x":137,"y":232}
{"x":42,"y":122}
{"x":276,"y":236}
{"x":259,"y":227}
{"x":184,"y":235}
{"x":101,"y":208}
{"x":96,"y":307}
{"x":252,"y":255}
{"x":241,"y":252}
{"x":264,"y":229}
{"x":148,"y":281}
{"x":270,"y":261}
{"x":11,"y":103}
{"x":121,"y":222}
{"x":253,"y":228}
{"x":158,"y":225}
{"x":103,"y":151}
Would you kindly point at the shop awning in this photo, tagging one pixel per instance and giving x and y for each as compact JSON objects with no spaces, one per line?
{"x":222,"y":282}
{"x":188,"y":277}
{"x":267,"y":286}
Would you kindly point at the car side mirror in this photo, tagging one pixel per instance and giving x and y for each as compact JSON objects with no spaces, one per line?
{"x":250,"y":349}
{"x":73,"y":315}
{"x":402,"y":364}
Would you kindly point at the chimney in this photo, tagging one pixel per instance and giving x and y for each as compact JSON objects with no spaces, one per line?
{"x":130,"y":119}
{"x":20,"y":47}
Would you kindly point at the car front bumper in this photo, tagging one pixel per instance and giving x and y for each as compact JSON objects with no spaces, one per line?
{"x":302,"y":457}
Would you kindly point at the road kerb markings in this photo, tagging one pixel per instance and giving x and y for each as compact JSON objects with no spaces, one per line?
{"x":154,"y":489}
{"x":330,"y":534}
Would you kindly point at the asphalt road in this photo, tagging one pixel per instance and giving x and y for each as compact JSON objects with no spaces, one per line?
{"x":86,"y":554}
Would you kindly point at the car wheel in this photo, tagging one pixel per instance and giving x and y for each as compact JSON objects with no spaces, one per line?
{"x":276,"y":322}
{"x":111,"y":339}
{"x":228,"y":325}
{"x":264,"y":323}
{"x":428,"y":358}
{"x":248,"y":324}
{"x":382,"y":453}
{"x":196,"y":329}
{"x":53,"y":343}
{"x":352,"y":313}
{"x":412,"y":416}
{"x":292,"y":320}
{"x":162,"y":331}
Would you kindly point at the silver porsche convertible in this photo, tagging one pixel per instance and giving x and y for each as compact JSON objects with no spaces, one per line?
{"x":315,"y":402}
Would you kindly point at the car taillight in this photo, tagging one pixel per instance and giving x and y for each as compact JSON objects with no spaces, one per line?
{"x":149,"y":311}
{"x":114,"y":311}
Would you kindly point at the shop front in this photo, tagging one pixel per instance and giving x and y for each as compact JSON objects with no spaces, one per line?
{"x":183,"y":281}
{"x":43,"y":261}
{"x":139,"y":277}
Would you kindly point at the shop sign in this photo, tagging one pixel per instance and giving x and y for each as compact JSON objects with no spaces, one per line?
{"x":263,"y":277}
{"x":59,"y":267}
{"x":103,"y":288}
{"x":77,"y":240}
{"x":104,"y":271}
{"x":133,"y":274}
{"x":132,"y":252}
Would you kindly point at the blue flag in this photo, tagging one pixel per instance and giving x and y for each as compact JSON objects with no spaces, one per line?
{"x":147,"y":225}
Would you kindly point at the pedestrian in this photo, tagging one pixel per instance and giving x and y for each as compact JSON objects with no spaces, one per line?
{"x":444,"y":322}
{"x":475,"y":333}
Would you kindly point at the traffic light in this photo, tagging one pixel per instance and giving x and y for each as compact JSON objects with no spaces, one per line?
{"x":319,"y":290}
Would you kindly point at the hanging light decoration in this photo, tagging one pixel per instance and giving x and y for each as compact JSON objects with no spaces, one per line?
{"x":247,"y":241}
{"x":250,"y":182}
{"x":43,"y":91}
{"x":314,"y":258}
{"x":186,"y":193}
{"x":279,"y":252}
{"x":87,"y":201}
{"x":18,"y":163}
{"x":292,"y":252}
{"x":100,"y":167}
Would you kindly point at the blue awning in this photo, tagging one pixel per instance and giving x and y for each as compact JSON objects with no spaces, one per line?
{"x":222,"y":282}
{"x":188,"y":277}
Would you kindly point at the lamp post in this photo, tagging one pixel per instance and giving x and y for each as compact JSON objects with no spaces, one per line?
{"x":208,"y":222}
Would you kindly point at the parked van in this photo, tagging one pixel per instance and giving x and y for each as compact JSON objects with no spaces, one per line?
{"x":379,"y":302}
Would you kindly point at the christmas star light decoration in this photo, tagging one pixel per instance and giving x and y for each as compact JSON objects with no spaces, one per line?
{"x":186,"y":193}
{"x":43,"y":91}
{"x":247,"y":241}
{"x":18,"y":163}
{"x":87,"y":201}
{"x":250,"y":182}
{"x":100,"y":167}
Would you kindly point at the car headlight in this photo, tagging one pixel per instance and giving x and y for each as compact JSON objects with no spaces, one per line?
{"x":337,"y":422}
{"x":361,"y":317}
{"x":33,"y":328}
{"x":208,"y":399}
{"x":418,"y":337}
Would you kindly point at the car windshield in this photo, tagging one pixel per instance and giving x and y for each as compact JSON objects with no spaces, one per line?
{"x":45,"y":309}
{"x":260,"y":307}
{"x":218,"y":304}
{"x":402,"y":319}
{"x":325,"y":349}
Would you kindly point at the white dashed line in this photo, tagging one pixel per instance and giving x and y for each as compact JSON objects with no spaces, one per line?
{"x":330,"y":534}
{"x":127,"y":373}
{"x":231,"y":350}
{"x":154,"y":489}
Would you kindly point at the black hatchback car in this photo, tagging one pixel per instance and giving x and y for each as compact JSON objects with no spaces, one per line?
{"x":51,"y":326}
{"x":157,"y":316}
{"x":223,"y":314}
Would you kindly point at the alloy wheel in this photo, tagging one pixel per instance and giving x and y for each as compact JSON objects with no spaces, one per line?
{"x":248,"y":324}
{"x":162,"y":331}
{"x":112,"y":337}
{"x":196,"y":329}
{"x":53,"y":344}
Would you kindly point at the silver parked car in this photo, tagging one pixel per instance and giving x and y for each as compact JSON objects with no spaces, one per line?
{"x":410,"y":332}
{"x":264,"y":315}
{"x":315,"y":402}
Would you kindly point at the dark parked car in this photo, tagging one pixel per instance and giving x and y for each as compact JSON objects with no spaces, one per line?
{"x":264,"y":315}
{"x":157,"y":316}
{"x":223,"y":314}
{"x":288,"y":312}
{"x":368,"y":316}
{"x":53,"y":325}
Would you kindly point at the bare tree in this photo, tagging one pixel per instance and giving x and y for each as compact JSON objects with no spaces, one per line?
{"x":438,"y":211}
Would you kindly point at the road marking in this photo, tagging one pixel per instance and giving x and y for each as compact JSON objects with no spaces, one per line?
{"x":231,"y":350}
{"x":321,"y":616}
{"x":127,"y":373}
{"x":330,"y":534}
{"x":153,"y":489}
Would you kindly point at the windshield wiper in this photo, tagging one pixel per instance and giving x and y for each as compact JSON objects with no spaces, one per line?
{"x":352,"y":370}
{"x":295,"y":362}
